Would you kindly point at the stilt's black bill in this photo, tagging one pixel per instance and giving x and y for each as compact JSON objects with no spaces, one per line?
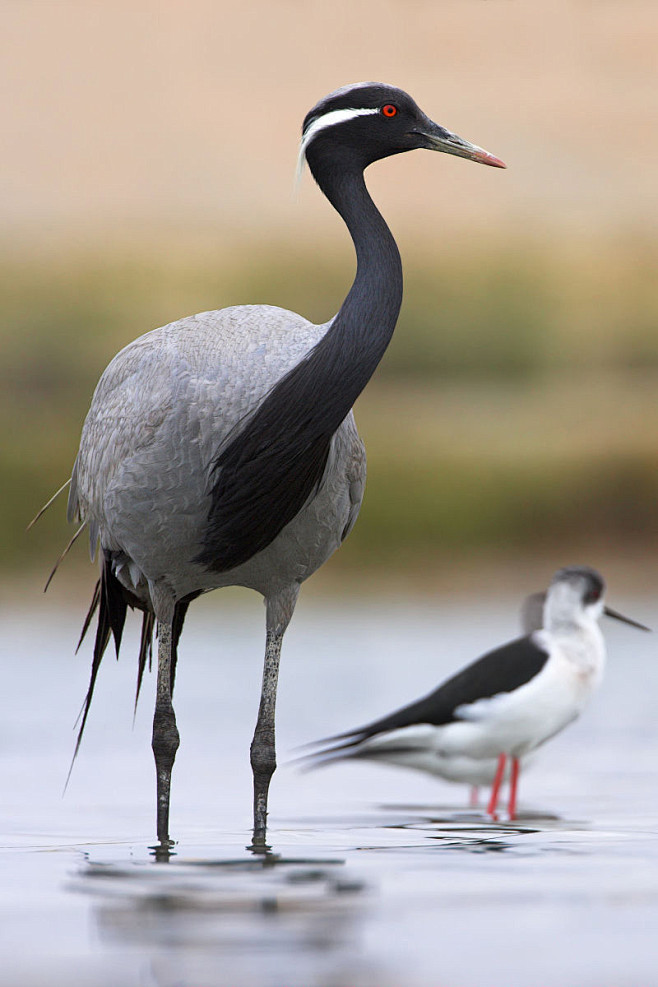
{"x":609,"y":612}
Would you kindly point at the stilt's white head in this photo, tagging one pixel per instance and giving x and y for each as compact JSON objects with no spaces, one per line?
{"x":575,"y":598}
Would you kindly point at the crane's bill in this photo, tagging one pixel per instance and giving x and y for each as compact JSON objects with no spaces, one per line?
{"x":440,"y":139}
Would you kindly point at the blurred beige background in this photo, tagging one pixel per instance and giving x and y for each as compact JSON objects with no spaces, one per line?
{"x":121,"y":116}
{"x":149,"y":151}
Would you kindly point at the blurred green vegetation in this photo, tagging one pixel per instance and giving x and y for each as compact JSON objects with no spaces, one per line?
{"x":514,"y":410}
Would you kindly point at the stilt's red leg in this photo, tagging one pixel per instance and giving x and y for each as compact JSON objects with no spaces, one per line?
{"x":495,"y":790}
{"x":474,"y":798}
{"x":513,"y":784}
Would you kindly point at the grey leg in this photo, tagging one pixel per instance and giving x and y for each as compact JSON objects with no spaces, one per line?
{"x":263,"y":747}
{"x":165,"y":734}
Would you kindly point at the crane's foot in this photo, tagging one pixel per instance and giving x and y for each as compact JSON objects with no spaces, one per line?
{"x":165,"y":745}
{"x":260,"y":817}
{"x":263,"y":763}
{"x":261,"y":789}
{"x":163,"y":852}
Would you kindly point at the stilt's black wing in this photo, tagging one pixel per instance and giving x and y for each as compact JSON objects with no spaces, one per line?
{"x":502,"y":670}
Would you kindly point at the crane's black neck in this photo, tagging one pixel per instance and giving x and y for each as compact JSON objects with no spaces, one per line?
{"x":272,"y":467}
{"x":363,"y":327}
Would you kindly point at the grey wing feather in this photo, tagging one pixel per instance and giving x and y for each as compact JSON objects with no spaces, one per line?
{"x":356,"y":476}
{"x":73,"y":506}
{"x":73,"y":513}
{"x":160,"y":415}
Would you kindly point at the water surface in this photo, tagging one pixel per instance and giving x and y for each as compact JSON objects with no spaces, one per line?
{"x":377,"y":876}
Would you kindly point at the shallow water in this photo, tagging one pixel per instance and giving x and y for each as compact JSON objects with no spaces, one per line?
{"x":377,"y":877}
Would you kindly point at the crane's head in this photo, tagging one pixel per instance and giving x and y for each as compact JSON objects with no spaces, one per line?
{"x":361,"y":123}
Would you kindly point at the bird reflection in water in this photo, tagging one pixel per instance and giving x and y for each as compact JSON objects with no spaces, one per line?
{"x":243,"y":920}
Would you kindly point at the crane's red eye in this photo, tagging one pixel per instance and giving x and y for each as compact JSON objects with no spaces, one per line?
{"x":389,"y":110}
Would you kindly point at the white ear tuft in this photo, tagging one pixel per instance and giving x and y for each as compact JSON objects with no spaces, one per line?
{"x":331,"y":119}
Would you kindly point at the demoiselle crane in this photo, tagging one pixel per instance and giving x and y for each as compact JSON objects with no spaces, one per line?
{"x":220,"y":450}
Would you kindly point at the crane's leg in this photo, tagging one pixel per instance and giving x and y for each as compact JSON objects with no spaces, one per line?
{"x":165,"y":734}
{"x":495,"y":788}
{"x":263,"y":747}
{"x":474,"y":797}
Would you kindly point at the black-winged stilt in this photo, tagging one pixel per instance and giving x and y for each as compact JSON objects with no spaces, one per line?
{"x":502,"y":706}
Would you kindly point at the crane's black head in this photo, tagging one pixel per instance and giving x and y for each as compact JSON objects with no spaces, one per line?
{"x":362,"y":123}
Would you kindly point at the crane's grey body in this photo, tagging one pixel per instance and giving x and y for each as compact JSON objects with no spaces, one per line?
{"x":221,"y":449}
{"x":142,"y":479}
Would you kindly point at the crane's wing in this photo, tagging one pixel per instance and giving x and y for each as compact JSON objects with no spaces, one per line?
{"x":160,"y":446}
